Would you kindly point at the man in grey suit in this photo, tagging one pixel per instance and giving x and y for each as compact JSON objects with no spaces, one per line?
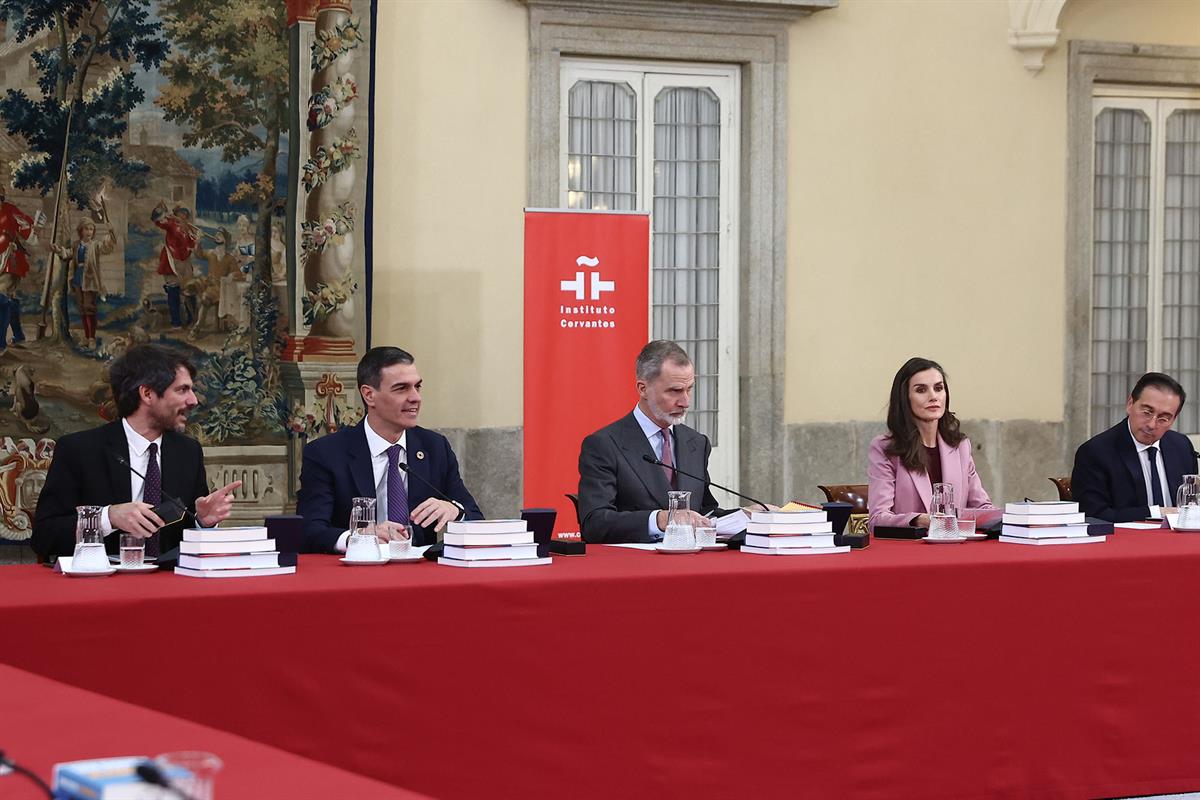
{"x":623,"y":497}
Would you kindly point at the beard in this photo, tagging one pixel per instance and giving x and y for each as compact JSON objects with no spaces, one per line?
{"x":170,"y":421}
{"x":675,"y":418}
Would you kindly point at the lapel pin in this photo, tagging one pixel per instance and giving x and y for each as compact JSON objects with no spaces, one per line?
{"x":420,"y":455}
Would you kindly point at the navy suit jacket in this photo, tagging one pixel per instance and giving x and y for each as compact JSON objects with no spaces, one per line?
{"x":618,"y":487}
{"x":337,"y":468}
{"x":1107,"y":480}
{"x":85,"y":472}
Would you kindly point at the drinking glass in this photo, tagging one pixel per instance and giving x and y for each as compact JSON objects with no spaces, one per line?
{"x":965,"y":527}
{"x":400,"y":548}
{"x":201,"y":768}
{"x":89,"y":542}
{"x":706,"y":536}
{"x":133,"y":550}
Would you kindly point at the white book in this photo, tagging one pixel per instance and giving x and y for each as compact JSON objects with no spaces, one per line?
{"x":227,"y":548}
{"x":1045,"y":531}
{"x":488,"y":538}
{"x":245,"y":561}
{"x":515,"y":562}
{"x":790,"y":517}
{"x":794,"y":551}
{"x":249,"y":533}
{"x":1042,"y":507}
{"x":1058,"y":540}
{"x":259,"y":572}
{"x":808,"y":540}
{"x":476,"y":553}
{"x":1044,"y":519}
{"x":789,"y":527}
{"x":487,"y":526}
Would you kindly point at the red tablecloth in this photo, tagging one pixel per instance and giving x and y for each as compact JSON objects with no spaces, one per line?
{"x":43,"y":722}
{"x":904,"y":670}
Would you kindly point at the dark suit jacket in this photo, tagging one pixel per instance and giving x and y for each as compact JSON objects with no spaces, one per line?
{"x":1107,"y":479}
{"x":337,"y":468}
{"x":618,"y":489}
{"x":85,"y":472}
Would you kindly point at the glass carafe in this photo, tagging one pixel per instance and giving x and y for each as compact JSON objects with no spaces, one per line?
{"x":942,"y":512}
{"x":680,"y":534}
{"x":89,"y":541}
{"x":1187,"y":499}
{"x":362,"y":544}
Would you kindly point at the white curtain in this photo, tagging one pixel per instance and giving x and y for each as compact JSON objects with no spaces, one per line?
{"x":602,"y":146}
{"x":1181,"y":261}
{"x":1120,"y":260}
{"x":686,"y":222}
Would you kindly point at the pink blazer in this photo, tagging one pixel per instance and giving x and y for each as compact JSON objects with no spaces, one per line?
{"x":895,"y":494}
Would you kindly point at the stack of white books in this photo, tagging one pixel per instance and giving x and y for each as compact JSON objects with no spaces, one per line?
{"x":231,"y":553}
{"x":802,"y":532}
{"x":489,"y":543}
{"x":1045,"y":522}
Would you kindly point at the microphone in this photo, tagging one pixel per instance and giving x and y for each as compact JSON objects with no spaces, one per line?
{"x":653,"y":460}
{"x":434,"y":550}
{"x":151,"y":774}
{"x":7,"y":763}
{"x":170,"y":509}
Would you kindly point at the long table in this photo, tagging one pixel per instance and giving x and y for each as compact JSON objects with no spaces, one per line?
{"x":903,"y":670}
{"x":45,"y":722}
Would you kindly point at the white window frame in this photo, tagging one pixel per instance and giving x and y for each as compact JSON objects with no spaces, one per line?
{"x":648,"y":78}
{"x":1157,"y":103}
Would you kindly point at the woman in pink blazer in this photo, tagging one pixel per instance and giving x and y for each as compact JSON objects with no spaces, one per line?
{"x":923,"y":446}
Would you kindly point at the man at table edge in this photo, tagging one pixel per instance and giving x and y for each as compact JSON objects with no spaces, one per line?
{"x":365,"y":461}
{"x":1132,"y":470}
{"x":152,"y":388}
{"x":622,"y":497}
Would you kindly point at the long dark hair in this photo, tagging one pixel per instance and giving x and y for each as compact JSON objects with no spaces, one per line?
{"x":905,"y":438}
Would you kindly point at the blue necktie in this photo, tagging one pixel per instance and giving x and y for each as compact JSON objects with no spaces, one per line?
{"x":1155,"y":484}
{"x":396,"y":491}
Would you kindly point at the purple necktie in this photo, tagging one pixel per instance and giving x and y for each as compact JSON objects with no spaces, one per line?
{"x":152,"y":494}
{"x":397,"y":494}
{"x":666,"y":457}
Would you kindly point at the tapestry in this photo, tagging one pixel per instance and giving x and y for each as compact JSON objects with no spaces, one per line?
{"x":191,"y":172}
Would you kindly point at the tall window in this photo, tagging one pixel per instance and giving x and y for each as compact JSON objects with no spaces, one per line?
{"x":1145,"y":247}
{"x":664,"y":139}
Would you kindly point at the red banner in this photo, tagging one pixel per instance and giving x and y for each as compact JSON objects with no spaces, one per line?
{"x":587,"y":311}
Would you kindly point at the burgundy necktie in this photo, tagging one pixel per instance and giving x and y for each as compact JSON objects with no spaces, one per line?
{"x":152,"y":494}
{"x":396,"y":491}
{"x":668,"y":462}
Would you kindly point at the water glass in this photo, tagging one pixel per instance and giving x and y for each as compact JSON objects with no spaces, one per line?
{"x":201,"y":768}
{"x":133,"y":550}
{"x":706,"y":536}
{"x":966,"y":527}
{"x":942,"y":526}
{"x":401,"y":548}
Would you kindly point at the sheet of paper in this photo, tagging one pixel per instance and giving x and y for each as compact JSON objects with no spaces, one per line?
{"x":1148,"y":526}
{"x":733,"y":523}
{"x":636,"y":545}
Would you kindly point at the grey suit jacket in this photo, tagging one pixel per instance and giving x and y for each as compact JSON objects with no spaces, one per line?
{"x":618,"y":489}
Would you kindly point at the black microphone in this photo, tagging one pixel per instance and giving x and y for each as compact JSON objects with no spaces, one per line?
{"x":5,"y":761}
{"x":706,"y":482}
{"x":434,"y":550}
{"x":170,"y":509}
{"x":151,"y":774}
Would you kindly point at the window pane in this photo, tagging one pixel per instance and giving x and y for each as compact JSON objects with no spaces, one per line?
{"x":1120,"y":260}
{"x":686,"y":220}
{"x":602,"y":146}
{"x":1181,"y":259}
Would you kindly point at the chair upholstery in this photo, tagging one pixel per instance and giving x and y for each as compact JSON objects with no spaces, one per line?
{"x":1064,"y":487}
{"x":574,"y":498}
{"x":853,"y":493}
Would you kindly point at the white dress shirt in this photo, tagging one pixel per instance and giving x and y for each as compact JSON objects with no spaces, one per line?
{"x":139,"y":459}
{"x":654,"y":435}
{"x":1144,"y":460}
{"x":379,"y":463}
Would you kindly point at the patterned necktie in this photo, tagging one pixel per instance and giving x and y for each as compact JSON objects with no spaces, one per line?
{"x":666,"y":457}
{"x":152,"y":494}
{"x":1155,"y":484}
{"x":396,"y":491}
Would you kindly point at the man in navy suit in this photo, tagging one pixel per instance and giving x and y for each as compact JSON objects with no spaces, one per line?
{"x":411,"y":471}
{"x":110,"y":466}
{"x":1132,"y":470}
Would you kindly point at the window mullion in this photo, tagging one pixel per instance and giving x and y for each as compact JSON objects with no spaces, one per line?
{"x":1154,"y":278}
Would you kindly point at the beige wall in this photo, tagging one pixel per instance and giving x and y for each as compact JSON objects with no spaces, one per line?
{"x":450,"y":154}
{"x":927,"y":172}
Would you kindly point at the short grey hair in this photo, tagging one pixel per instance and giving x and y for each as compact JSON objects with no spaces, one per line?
{"x":650,"y":361}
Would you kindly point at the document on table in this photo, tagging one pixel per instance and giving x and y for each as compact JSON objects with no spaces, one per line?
{"x":636,"y":545}
{"x":733,"y":523}
{"x":1149,"y":526}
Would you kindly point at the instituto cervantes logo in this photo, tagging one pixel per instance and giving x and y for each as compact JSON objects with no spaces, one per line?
{"x":593,"y":285}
